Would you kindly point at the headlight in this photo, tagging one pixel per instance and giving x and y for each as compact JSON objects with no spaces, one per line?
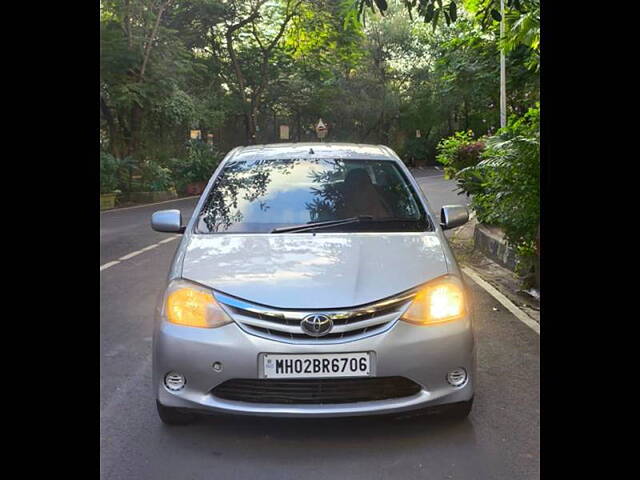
{"x":191,"y":305}
{"x":440,"y":300}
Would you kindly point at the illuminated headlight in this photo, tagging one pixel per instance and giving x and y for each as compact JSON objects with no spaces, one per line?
{"x":440,"y":300}
{"x":192,"y":305}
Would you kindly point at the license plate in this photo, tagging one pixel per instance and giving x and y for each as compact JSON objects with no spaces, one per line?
{"x":276,"y":365}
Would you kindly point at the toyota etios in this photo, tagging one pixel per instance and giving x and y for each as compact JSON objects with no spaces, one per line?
{"x":312,"y":281}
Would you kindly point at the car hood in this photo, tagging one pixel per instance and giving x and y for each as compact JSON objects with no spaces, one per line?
{"x":320,"y":271}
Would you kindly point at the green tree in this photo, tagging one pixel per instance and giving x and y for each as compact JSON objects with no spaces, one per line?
{"x":239,"y":68}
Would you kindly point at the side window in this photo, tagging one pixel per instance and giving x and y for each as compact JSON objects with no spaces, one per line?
{"x":354,"y":166}
{"x":395,"y":191}
{"x":372,"y":174}
{"x":380,"y":174}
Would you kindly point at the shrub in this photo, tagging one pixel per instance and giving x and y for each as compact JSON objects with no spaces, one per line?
{"x":197,"y":165}
{"x":155,"y":177}
{"x":505,"y":184}
{"x":109,"y":169}
{"x":416,"y":151}
{"x":459,"y":151}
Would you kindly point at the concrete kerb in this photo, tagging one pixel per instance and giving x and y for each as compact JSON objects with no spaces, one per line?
{"x":491,"y":243}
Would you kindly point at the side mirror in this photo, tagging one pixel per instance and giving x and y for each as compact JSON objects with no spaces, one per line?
{"x":167,"y":221}
{"x":452,"y":216}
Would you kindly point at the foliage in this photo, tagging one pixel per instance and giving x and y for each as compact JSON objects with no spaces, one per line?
{"x":239,"y":69}
{"x":109,"y":167}
{"x":197,"y":165}
{"x":459,"y":151}
{"x":151,"y":78}
{"x":522,"y":18}
{"x":415,"y":149}
{"x":523,"y":29}
{"x":505,"y":184}
{"x":459,"y":89}
{"x":154,"y":177}
{"x":431,"y":11}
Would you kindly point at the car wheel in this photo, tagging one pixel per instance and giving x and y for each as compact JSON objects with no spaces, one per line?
{"x":173,"y":416}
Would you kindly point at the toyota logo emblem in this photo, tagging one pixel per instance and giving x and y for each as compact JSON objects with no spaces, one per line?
{"x":316,"y":325}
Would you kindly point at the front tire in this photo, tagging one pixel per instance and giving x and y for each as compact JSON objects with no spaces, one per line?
{"x":173,"y":416}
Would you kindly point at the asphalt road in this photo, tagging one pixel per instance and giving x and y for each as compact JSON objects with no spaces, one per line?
{"x":499,"y":440}
{"x":439,"y":191}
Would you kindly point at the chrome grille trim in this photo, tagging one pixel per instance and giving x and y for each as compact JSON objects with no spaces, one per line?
{"x":284,"y":324}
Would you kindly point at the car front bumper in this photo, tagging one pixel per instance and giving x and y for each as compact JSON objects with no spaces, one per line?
{"x":424,"y":354}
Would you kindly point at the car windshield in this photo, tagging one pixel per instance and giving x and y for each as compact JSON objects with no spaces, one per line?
{"x":258,"y":196}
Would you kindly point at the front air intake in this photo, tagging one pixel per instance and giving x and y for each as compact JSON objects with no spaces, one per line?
{"x":316,"y":391}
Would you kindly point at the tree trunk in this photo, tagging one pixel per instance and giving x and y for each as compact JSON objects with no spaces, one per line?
{"x":149,"y":44}
{"x":276,"y":137}
{"x":249,"y":115}
{"x":466,"y":115}
{"x":134,"y":139}
{"x":250,"y":122}
{"x":253,"y":103}
{"x":537,"y":264}
{"x":111,"y":128}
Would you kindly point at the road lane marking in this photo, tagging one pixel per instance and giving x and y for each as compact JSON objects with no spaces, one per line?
{"x":130,"y":255}
{"x":508,"y":304}
{"x":168,"y":239}
{"x":137,"y":252}
{"x":107,"y":265}
{"x":147,"y":204}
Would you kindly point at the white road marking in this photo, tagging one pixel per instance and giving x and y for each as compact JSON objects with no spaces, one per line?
{"x":167,"y":239}
{"x":137,"y":252}
{"x":508,"y":304}
{"x":147,"y":204}
{"x":107,"y":265}
{"x":130,"y":255}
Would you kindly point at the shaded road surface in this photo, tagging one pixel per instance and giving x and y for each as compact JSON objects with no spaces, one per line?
{"x":127,"y":230}
{"x":500,"y":439}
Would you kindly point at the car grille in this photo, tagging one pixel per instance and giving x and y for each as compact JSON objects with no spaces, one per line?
{"x":316,"y":391}
{"x":284,"y":324}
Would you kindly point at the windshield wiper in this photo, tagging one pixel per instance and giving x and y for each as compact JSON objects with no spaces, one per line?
{"x":316,"y":225}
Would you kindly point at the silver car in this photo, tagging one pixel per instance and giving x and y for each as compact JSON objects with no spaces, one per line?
{"x":312,"y":280}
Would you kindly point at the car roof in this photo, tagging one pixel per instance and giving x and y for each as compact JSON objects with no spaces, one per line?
{"x":314,"y":150}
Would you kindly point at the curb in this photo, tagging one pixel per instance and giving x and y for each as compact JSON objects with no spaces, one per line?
{"x":494,"y":247}
{"x":508,"y":304}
